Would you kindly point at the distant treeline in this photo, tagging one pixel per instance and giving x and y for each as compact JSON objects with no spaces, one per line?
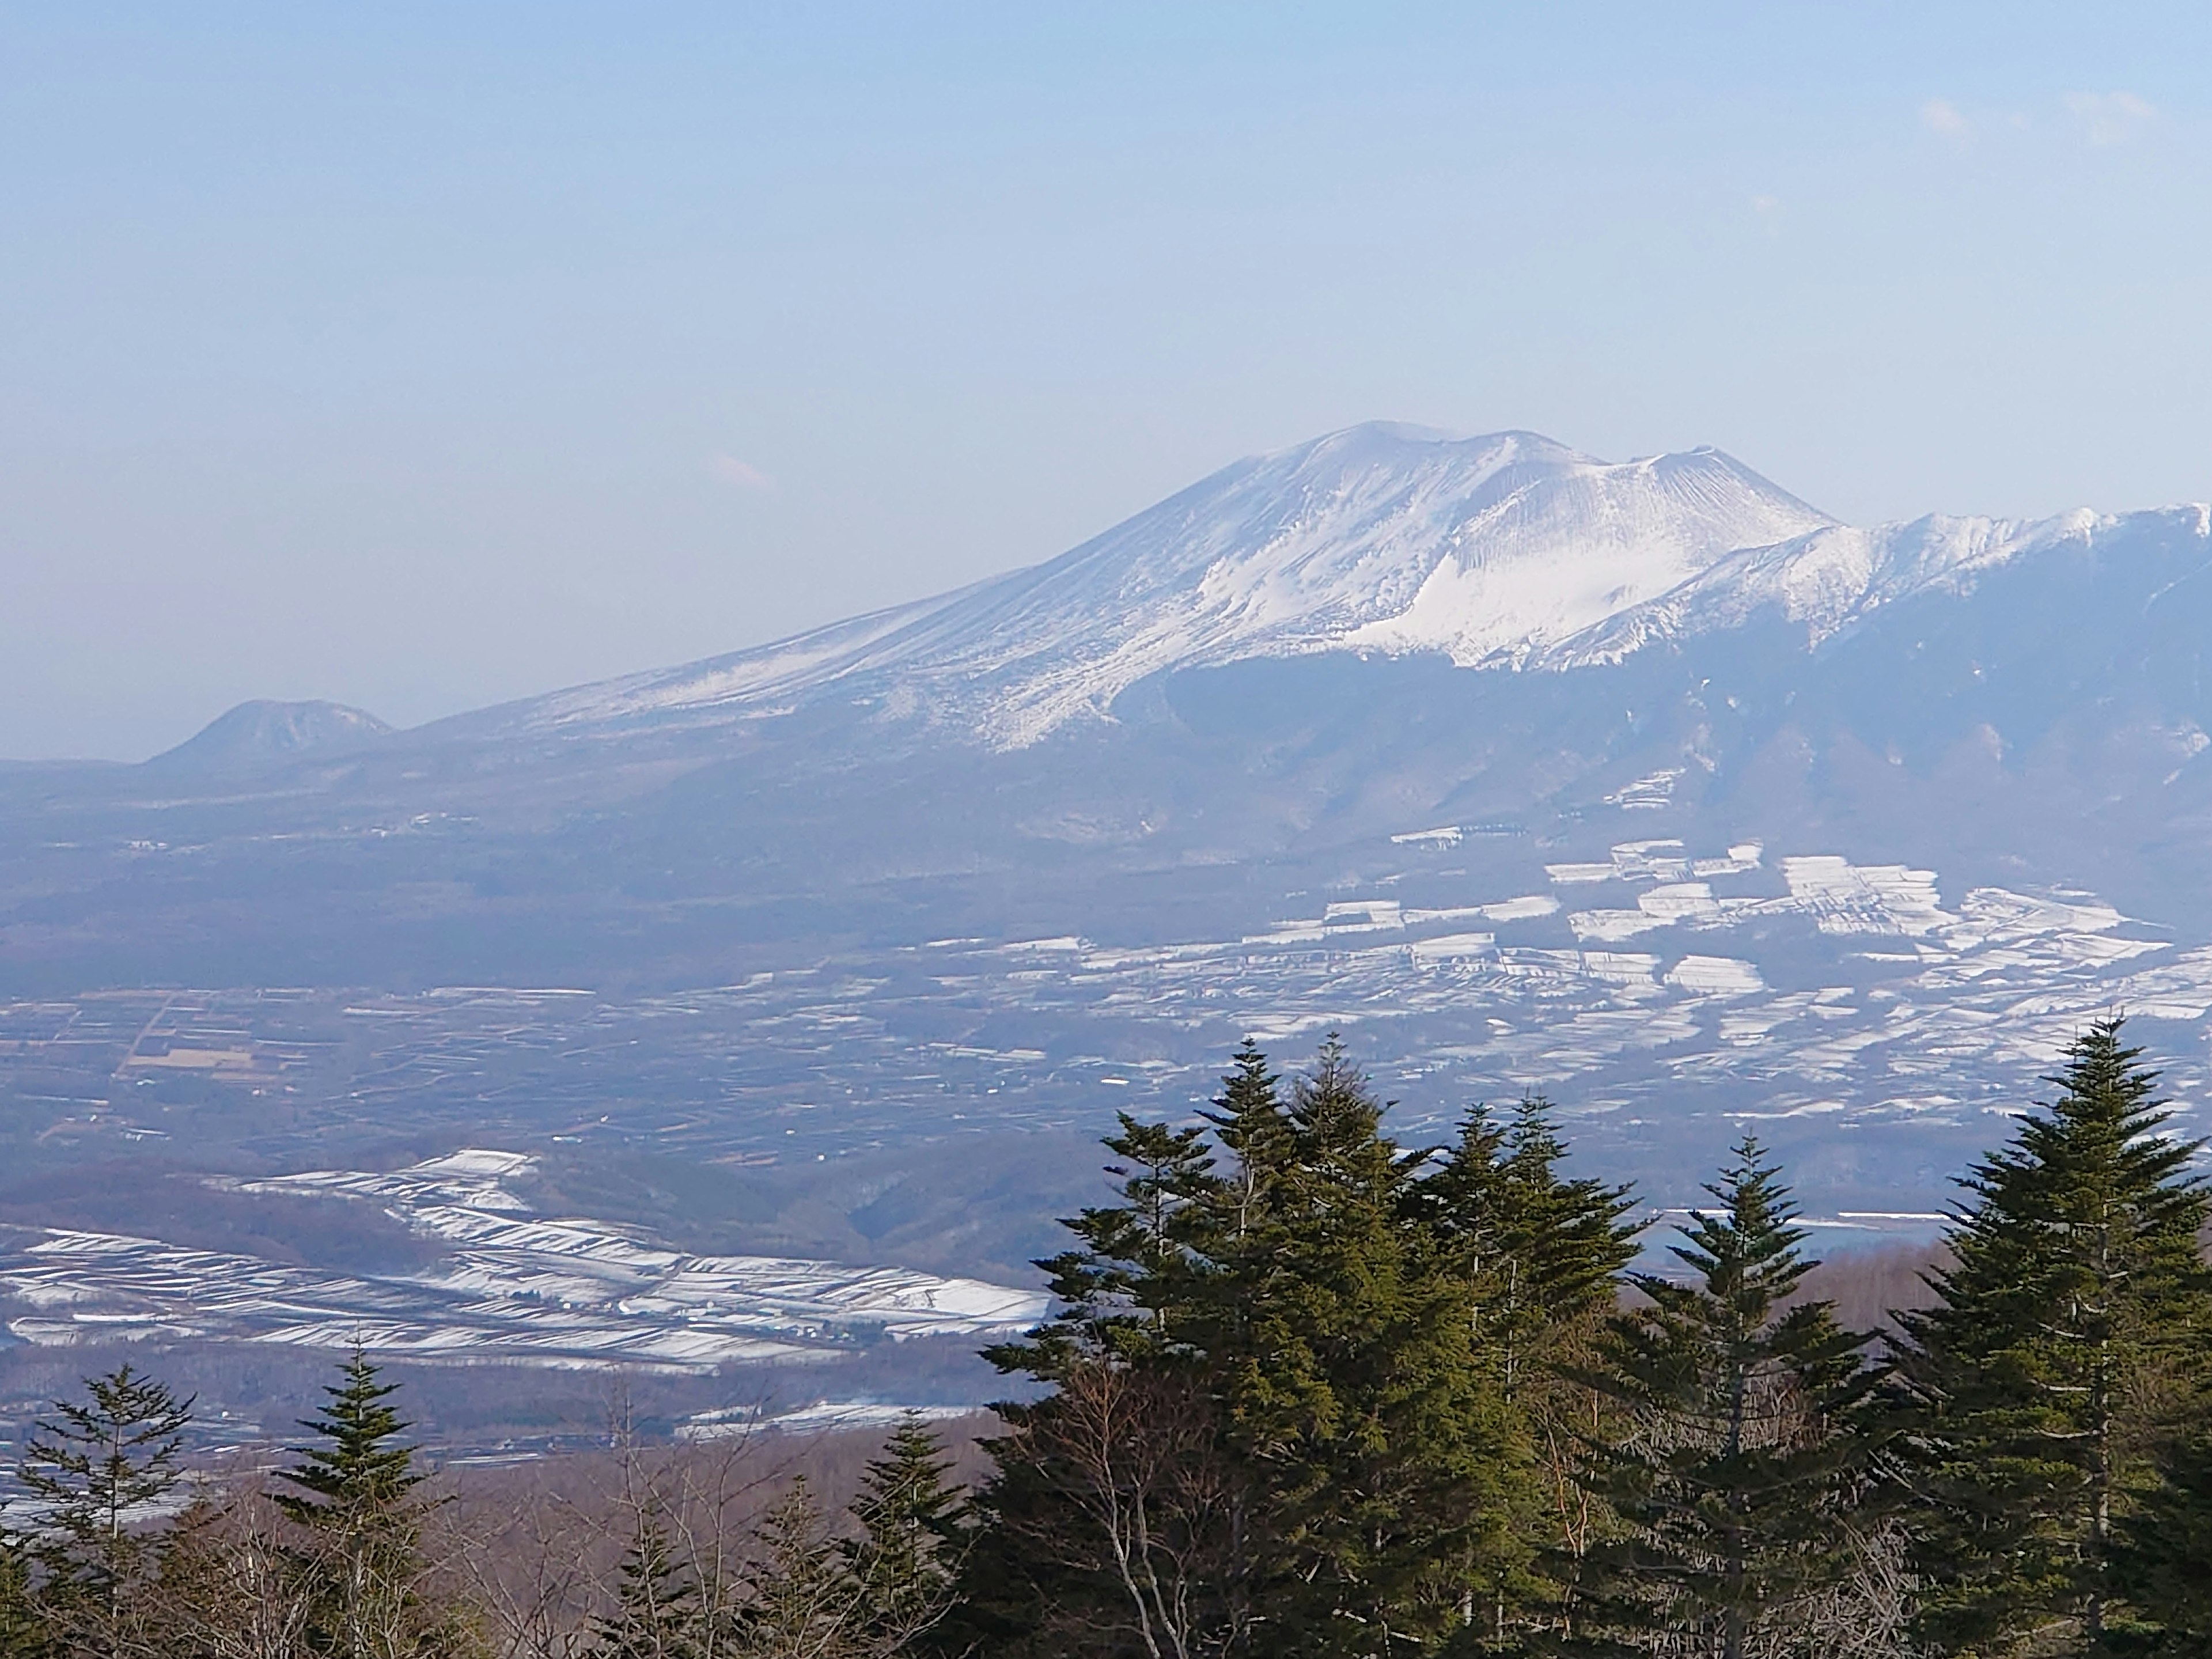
{"x":1312,"y":1393}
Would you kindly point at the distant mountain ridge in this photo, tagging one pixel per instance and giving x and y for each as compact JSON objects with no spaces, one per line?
{"x":263,"y":732}
{"x":1380,"y":538}
{"x":1506,"y":550}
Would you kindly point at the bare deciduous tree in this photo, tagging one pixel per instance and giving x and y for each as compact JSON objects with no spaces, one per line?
{"x":1139,"y":1454}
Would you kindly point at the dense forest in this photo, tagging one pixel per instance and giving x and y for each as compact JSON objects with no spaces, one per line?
{"x":1312,"y":1392}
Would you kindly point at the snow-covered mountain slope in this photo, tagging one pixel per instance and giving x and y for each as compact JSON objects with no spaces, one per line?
{"x":1376,"y":631}
{"x":1832,"y":577}
{"x":1507,"y":551}
{"x":1380,"y":538}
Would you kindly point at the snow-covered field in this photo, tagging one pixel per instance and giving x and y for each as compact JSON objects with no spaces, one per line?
{"x":1875,"y":1022}
{"x":514,"y":1286}
{"x":1935,"y":1007}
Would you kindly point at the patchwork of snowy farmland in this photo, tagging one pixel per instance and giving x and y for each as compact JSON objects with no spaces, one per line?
{"x":1874,"y":1022}
{"x":514,"y":1286}
{"x":1688,"y":982}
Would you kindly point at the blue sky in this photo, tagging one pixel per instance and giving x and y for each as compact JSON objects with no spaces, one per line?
{"x":420,"y":356}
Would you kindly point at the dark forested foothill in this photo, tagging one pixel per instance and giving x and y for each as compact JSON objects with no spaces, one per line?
{"x":1313,"y":1394}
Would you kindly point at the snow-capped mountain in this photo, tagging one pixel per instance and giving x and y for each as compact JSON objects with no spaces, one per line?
{"x":1643,"y":781}
{"x":1507,"y":550}
{"x":1826,"y":579}
{"x":1382,"y":630}
{"x":1382,"y":538}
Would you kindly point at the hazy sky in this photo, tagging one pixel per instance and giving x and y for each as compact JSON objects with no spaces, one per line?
{"x":422,"y":356}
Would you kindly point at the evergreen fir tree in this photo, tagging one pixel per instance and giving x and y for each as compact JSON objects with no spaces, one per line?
{"x":912,"y":1520}
{"x":1252,"y":1126}
{"x":1543,"y":1255}
{"x":657,"y":1614}
{"x":1357,"y":1391}
{"x":803,"y":1604}
{"x":2162,"y":1557}
{"x":95,"y":1465}
{"x":1748,"y":1441}
{"x":1545,"y":1252}
{"x":361,"y":1473}
{"x":1152,"y":1291}
{"x":1122,"y":1290}
{"x":2066,"y":1337}
{"x":355,"y":1494}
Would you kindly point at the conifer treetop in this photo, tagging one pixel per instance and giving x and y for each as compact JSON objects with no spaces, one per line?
{"x":1746,"y":1253}
{"x":359,"y":1470}
{"x":98,"y":1459}
{"x":2068,"y":1331}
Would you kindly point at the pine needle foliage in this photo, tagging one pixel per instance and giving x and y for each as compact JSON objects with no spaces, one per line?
{"x":96,"y":1466}
{"x":2162,"y":1557}
{"x":2066,"y":1341}
{"x":913,"y":1521}
{"x":657,"y":1613}
{"x":1749,"y":1436}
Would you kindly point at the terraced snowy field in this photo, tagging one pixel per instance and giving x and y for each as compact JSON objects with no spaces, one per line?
{"x":514,"y":1286}
{"x":1876,"y":1023}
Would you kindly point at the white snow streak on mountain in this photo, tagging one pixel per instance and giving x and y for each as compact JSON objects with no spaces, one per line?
{"x":1383,"y":538}
{"x":1503,"y":551}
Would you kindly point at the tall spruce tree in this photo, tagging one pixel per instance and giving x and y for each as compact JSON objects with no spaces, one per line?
{"x":1748,"y":1441}
{"x":1123,"y":1289}
{"x":1358,"y":1389}
{"x":1544,"y":1251}
{"x":912,"y":1520}
{"x":1543,"y":1255}
{"x":2066,"y":1338}
{"x":1249,"y":1121}
{"x":361,"y":1474}
{"x":1109,"y":1485}
{"x":803,"y":1604}
{"x":356,"y":1496}
{"x":96,"y":1467}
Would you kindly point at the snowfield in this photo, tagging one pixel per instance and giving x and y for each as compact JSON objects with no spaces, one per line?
{"x":514,"y":1286}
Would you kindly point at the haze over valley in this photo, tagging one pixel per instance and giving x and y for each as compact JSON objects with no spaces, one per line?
{"x":794,"y":986}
